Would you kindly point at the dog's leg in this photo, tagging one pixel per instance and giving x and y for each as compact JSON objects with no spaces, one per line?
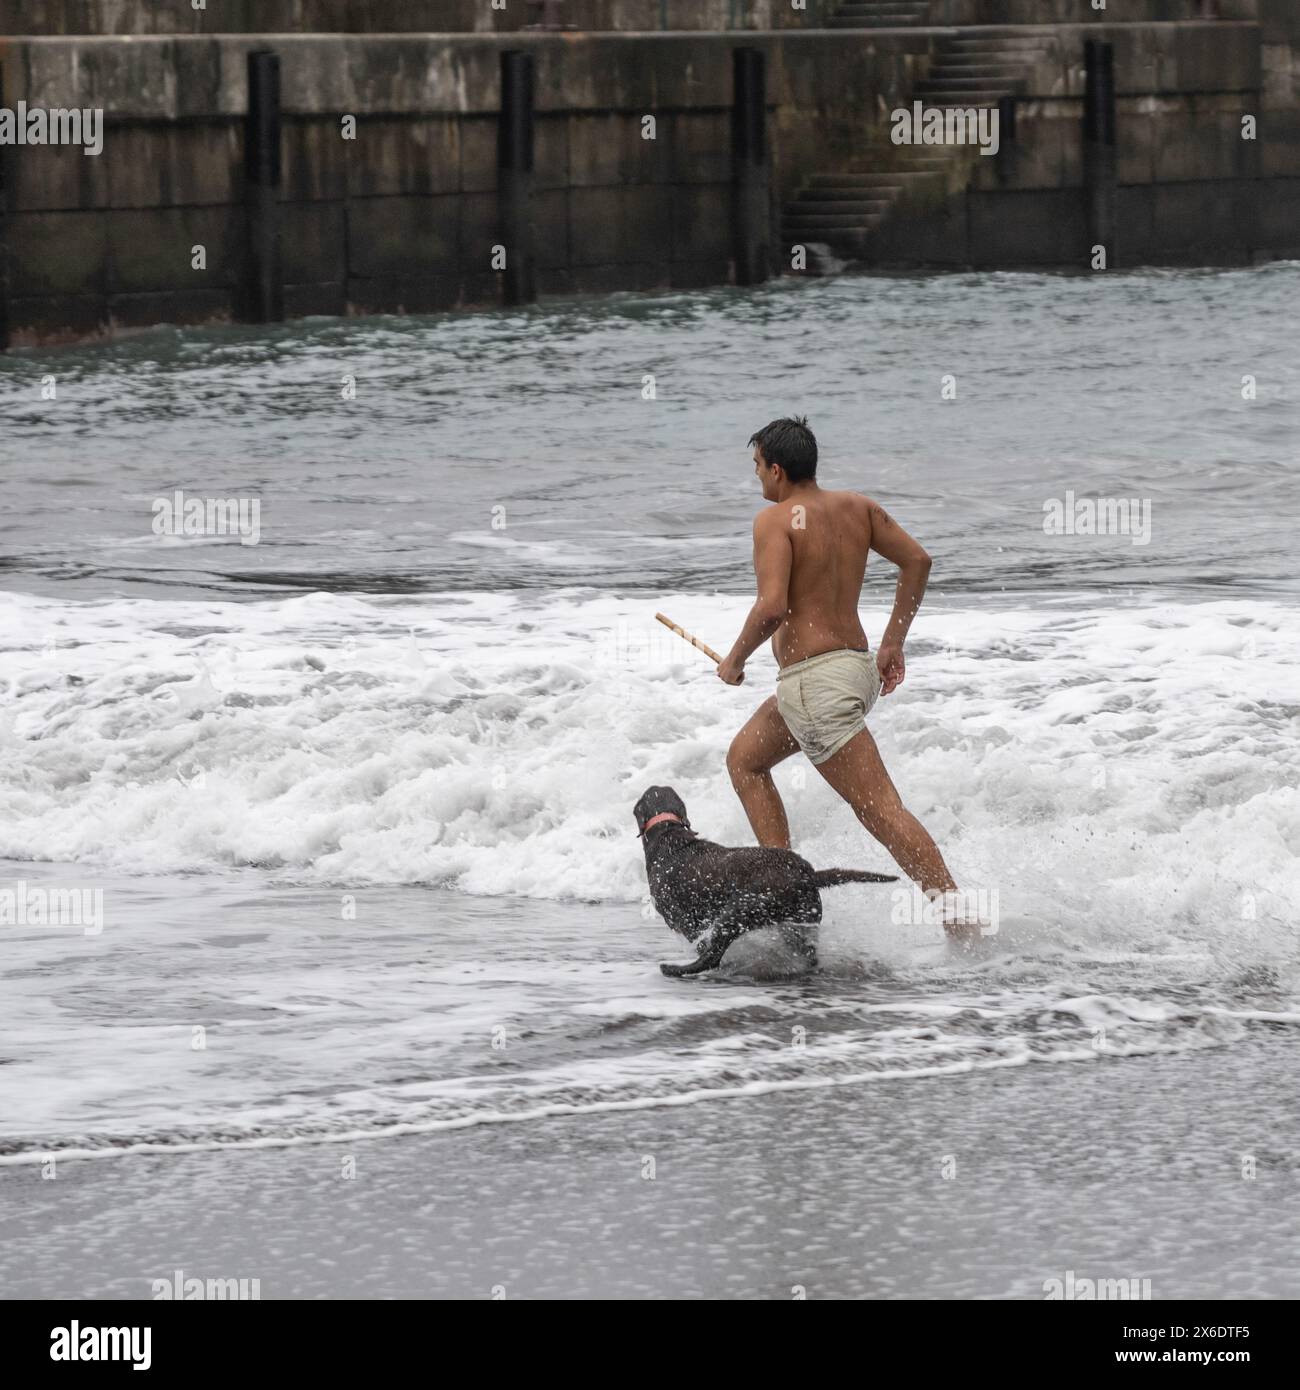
{"x":802,"y":938}
{"x":712,"y":945}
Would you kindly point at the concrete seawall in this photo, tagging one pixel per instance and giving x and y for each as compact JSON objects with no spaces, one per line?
{"x":144,"y":18}
{"x":141,"y":18}
{"x":404,"y":217}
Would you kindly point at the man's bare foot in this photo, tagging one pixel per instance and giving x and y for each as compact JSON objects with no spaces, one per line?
{"x":962,"y":922}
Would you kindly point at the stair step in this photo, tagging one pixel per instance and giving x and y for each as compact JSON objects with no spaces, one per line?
{"x":888,"y":159}
{"x":982,"y":57}
{"x":834,"y":219}
{"x":930,"y":88}
{"x":945,"y":96}
{"x":963,"y":84}
{"x":984,"y":41}
{"x":874,"y":179}
{"x":966,"y":47}
{"x":853,"y":10}
{"x":880,"y":187}
{"x":832,"y":236}
{"x":977,"y":70}
{"x":903,"y":178}
{"x":843,"y":199}
{"x":936,"y":168}
{"x":884,"y":147}
{"x":805,"y":209}
{"x":983,"y":98}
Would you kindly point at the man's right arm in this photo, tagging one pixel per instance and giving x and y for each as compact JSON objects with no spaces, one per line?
{"x":890,"y":540}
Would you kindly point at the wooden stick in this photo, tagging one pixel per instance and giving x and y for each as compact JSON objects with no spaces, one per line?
{"x":694,"y":641}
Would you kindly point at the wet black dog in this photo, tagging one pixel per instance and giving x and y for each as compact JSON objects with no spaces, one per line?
{"x":712,"y":894}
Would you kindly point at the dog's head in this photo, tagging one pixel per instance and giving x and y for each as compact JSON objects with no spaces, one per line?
{"x":658,"y":801}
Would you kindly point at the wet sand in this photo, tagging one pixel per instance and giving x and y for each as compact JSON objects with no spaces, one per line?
{"x":1120,"y":1168}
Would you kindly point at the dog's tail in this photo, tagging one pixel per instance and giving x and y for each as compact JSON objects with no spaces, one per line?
{"x":830,"y":878}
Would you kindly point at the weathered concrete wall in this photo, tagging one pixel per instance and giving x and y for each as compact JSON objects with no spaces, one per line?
{"x":405,"y":216}
{"x":60,"y":18}
{"x":962,"y":12}
{"x":1154,"y":59}
{"x":1281,"y":20}
{"x":1191,"y":187}
{"x":1280,"y":72}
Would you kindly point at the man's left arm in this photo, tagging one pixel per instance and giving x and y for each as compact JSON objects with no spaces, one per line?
{"x":772,"y":560}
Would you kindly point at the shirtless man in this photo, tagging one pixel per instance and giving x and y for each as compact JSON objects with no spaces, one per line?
{"x":810,"y":557}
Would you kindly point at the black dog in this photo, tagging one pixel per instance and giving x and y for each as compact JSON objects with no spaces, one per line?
{"x":712,"y":894}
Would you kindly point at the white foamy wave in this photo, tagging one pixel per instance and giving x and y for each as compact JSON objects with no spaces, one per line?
{"x":1133,"y":769}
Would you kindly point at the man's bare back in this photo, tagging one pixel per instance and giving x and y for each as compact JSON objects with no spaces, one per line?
{"x":810,"y":560}
{"x":829,"y":535}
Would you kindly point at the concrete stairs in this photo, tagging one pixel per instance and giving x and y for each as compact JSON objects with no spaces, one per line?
{"x":981,"y":70}
{"x":880,"y":14}
{"x":841,"y":209}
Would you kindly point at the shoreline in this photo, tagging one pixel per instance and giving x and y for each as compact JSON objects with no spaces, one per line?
{"x":984,"y":1185}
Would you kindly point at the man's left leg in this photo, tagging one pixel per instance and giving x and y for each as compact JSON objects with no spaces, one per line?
{"x":754,"y":752}
{"x":859,"y":775}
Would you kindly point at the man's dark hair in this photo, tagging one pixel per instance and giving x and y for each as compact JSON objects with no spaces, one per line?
{"x":790,"y":444}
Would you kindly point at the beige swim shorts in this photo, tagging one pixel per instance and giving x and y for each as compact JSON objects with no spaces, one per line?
{"x":824,"y":700}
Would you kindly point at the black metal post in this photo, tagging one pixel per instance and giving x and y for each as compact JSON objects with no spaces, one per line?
{"x":1099,"y":160}
{"x":264,"y":286}
{"x":1007,"y":149}
{"x":752,"y":211}
{"x":4,"y":240}
{"x":515,"y":175}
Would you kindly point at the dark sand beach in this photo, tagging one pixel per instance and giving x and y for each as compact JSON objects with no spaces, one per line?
{"x":1125,"y":1168}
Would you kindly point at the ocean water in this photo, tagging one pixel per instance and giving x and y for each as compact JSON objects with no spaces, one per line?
{"x":358,"y":797}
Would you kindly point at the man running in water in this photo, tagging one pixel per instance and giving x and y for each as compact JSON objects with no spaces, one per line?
{"x":810,"y":557}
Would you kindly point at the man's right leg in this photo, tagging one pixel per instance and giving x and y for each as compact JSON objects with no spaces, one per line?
{"x":754,"y":752}
{"x":859,"y":775}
